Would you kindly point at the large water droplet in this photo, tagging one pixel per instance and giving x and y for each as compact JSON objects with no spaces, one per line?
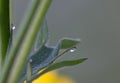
{"x":73,"y":49}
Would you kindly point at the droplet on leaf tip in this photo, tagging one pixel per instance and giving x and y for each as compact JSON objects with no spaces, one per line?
{"x":73,"y":49}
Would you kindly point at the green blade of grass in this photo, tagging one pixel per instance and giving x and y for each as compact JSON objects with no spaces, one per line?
{"x":4,"y":29}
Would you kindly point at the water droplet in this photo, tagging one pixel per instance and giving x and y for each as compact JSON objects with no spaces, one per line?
{"x":30,"y":60}
{"x":13,"y":27}
{"x":73,"y":49}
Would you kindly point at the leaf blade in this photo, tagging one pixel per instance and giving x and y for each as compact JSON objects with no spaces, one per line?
{"x":45,"y":56}
{"x":68,"y":42}
{"x":4,"y":27}
{"x":59,"y":65}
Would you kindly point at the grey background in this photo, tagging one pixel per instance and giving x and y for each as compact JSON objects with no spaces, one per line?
{"x":97,"y":24}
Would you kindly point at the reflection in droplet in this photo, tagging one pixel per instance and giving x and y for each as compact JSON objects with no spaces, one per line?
{"x":13,"y":28}
{"x":73,"y":49}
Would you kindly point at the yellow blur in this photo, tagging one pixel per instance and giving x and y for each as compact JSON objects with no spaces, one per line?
{"x":53,"y":77}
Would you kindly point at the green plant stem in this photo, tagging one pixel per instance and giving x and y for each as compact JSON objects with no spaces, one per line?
{"x":11,"y":24}
{"x":29,"y":73}
{"x":23,"y":27}
{"x":4,"y":29}
{"x":25,"y":46}
{"x":11,"y":13}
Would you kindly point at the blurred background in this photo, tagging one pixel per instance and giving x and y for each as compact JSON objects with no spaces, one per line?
{"x":97,"y":24}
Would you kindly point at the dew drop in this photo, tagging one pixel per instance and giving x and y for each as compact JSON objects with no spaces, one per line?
{"x":13,"y":27}
{"x":73,"y":49}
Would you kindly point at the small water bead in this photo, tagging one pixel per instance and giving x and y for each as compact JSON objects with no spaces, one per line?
{"x":13,"y":27}
{"x":73,"y":49}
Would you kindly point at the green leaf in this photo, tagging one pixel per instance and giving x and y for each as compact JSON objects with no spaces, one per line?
{"x":4,"y":28}
{"x":42,"y":58}
{"x":59,"y":65}
{"x":45,"y":55}
{"x":69,"y":42}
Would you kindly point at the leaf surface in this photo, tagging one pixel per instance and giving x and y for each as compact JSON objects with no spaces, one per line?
{"x":59,"y":65}
{"x":68,"y":42}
